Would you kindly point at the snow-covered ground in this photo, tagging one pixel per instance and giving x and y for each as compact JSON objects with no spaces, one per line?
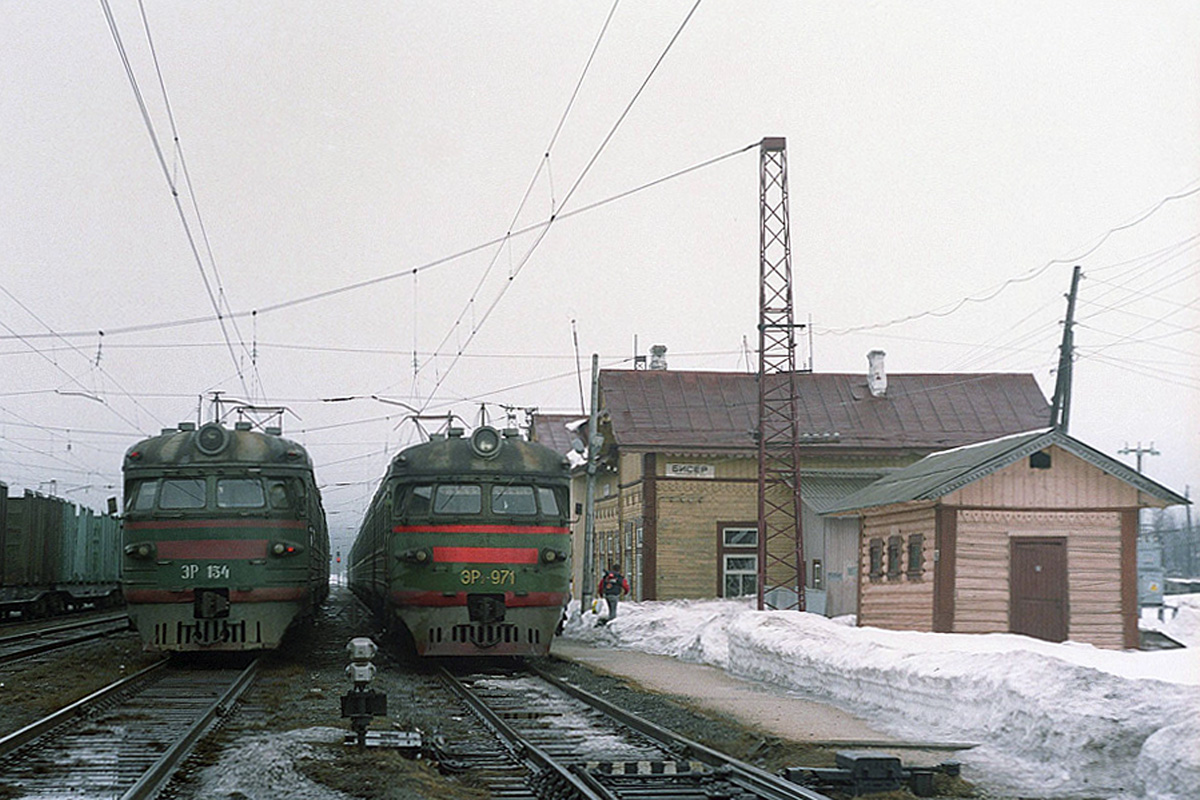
{"x":1051,"y":720}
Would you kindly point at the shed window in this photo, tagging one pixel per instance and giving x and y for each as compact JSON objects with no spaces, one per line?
{"x":818,"y":574}
{"x":876,"y":553}
{"x":1039,"y":460}
{"x":895,"y":556}
{"x":916,"y":556}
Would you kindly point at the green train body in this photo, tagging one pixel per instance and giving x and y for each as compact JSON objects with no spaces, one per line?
{"x":225,"y":544}
{"x":466,"y":544}
{"x":55,"y":556}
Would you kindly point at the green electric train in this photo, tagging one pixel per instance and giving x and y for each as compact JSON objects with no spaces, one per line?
{"x":225,"y":544}
{"x":466,"y":545}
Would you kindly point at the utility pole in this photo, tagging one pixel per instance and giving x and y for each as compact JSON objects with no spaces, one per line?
{"x":1139,"y":451}
{"x":589,"y":502}
{"x":780,"y":536}
{"x":1060,"y":407}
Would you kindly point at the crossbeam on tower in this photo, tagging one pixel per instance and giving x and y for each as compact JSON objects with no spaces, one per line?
{"x":780,"y":538}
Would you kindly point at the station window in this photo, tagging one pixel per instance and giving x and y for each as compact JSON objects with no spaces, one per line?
{"x":741,"y":575}
{"x":818,"y":574}
{"x":182,"y":493}
{"x":240,"y":493}
{"x":457,"y":498}
{"x":916,"y":556}
{"x":739,"y":537}
{"x":514,"y":500}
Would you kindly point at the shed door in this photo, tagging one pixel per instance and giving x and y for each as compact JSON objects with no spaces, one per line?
{"x":1038,"y":588}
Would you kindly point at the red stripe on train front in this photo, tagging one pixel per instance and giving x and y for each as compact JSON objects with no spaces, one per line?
{"x":214,"y":549}
{"x":416,"y":597}
{"x":485,"y":555}
{"x":480,"y":529}
{"x":273,"y":595}
{"x":175,"y":524}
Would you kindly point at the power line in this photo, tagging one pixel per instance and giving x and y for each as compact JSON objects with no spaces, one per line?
{"x":945,"y":311}
{"x":141,"y":102}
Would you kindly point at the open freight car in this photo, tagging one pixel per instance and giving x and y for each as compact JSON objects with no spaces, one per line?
{"x":225,"y":542}
{"x":466,"y":545}
{"x":55,"y":557}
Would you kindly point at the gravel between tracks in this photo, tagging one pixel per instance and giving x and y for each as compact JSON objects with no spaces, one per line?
{"x":286,"y":739}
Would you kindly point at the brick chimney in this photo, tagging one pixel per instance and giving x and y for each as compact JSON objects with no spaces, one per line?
{"x":876,"y":377}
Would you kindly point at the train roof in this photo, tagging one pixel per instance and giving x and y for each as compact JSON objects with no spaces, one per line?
{"x":486,"y":450}
{"x":212,"y":444}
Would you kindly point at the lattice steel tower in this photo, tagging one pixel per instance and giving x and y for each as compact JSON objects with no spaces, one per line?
{"x":780,"y":540}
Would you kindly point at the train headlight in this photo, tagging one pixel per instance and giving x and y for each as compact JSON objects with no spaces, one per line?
{"x":140,"y":550}
{"x":286,"y":549}
{"x":416,"y":556}
{"x":552,"y":556}
{"x":485,"y":442}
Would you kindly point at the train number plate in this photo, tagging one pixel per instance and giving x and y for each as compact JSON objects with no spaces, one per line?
{"x":488,"y":577}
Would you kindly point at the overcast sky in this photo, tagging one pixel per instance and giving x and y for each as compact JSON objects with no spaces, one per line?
{"x":937,"y":151}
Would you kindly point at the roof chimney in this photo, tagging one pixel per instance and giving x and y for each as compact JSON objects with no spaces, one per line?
{"x":876,"y":377}
{"x":658,"y":354}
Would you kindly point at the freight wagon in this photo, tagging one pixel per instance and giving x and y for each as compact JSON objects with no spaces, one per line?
{"x":56,"y":557}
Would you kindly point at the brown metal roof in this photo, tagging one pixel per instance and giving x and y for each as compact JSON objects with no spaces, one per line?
{"x":551,"y":430}
{"x":718,"y":410}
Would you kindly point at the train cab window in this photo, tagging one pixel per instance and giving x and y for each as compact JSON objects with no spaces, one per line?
{"x":279,"y":495}
{"x":141,"y":496}
{"x":181,"y":493}
{"x":458,"y":498}
{"x":417,"y":501}
{"x":240,"y":493}
{"x":549,"y":501}
{"x":516,"y":500}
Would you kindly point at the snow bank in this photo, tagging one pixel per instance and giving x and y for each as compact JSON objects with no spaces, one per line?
{"x":1050,"y":719}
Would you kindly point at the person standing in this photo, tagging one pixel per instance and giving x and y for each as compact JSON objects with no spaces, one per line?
{"x":612,"y":585}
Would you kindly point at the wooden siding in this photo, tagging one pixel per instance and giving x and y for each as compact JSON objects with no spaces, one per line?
{"x":981,"y":598}
{"x":1069,"y":483}
{"x":901,"y":602}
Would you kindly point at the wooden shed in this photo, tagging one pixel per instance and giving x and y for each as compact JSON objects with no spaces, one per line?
{"x":1034,"y":533}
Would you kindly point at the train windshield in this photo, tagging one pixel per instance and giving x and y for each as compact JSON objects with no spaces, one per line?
{"x":548,"y":500}
{"x":240,"y":493}
{"x":514,"y":500}
{"x":457,"y":498}
{"x":180,"y":493}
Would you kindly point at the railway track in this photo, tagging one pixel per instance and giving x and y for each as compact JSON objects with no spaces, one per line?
{"x":567,"y":744}
{"x":124,"y":740}
{"x":44,"y":639}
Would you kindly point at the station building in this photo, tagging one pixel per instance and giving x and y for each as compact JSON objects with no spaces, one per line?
{"x":677,"y":486}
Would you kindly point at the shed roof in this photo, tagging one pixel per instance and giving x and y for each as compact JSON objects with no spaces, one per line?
{"x":718,"y":410}
{"x":941,"y":473}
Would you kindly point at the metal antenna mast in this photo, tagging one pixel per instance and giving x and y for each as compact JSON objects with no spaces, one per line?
{"x":780,"y":540}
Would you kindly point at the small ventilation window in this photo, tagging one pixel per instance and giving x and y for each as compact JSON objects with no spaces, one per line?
{"x":1040,"y":460}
